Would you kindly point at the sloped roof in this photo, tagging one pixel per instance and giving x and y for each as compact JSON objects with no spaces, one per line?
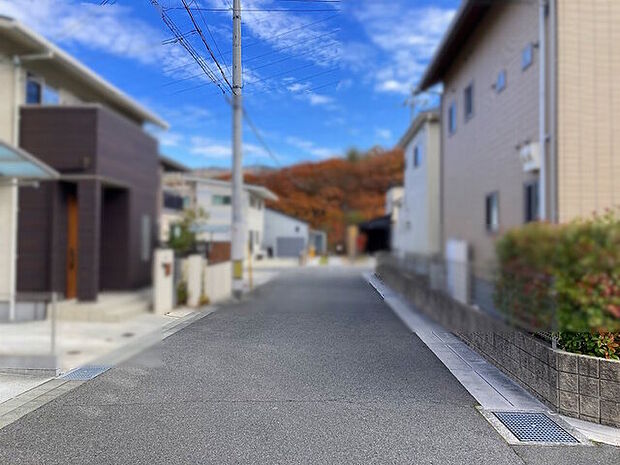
{"x":465,"y":21}
{"x":28,"y":41}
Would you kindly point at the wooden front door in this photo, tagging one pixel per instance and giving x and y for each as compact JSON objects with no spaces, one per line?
{"x":72,"y":239}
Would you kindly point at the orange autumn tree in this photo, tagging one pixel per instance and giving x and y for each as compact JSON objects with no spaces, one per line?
{"x":329,"y":193}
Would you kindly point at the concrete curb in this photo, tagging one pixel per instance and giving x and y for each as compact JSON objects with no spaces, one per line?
{"x":491,"y":388}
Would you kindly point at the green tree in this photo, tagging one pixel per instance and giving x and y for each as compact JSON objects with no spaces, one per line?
{"x":182,"y":234}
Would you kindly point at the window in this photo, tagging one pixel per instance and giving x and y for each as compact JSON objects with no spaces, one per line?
{"x":33,"y":90}
{"x":220,"y":200}
{"x":492,"y":212}
{"x":416,"y":156}
{"x":146,"y":238}
{"x":468,"y":96}
{"x":452,"y":117}
{"x":173,"y":201}
{"x":531,"y":201}
{"x":500,"y":83}
{"x":527,"y":56}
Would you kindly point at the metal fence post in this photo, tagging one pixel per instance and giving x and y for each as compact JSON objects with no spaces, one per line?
{"x":53,"y":323}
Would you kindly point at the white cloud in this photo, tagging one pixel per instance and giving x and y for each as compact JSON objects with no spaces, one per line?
{"x":383,"y":133}
{"x":221,"y":150}
{"x":169,"y":139}
{"x":310,"y":148}
{"x":297,"y":87}
{"x":407,"y":35}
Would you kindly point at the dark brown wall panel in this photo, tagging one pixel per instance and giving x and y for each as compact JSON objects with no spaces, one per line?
{"x":114,"y":244}
{"x":62,"y":137}
{"x":127,"y":154}
{"x":33,"y":240}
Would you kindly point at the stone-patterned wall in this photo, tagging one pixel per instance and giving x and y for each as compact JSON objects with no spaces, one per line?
{"x":575,"y":385}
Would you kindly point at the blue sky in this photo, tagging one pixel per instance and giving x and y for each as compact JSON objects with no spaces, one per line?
{"x":315,"y":83}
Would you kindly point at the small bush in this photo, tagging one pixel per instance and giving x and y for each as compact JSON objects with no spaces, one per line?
{"x":606,"y":345}
{"x":182,"y":294}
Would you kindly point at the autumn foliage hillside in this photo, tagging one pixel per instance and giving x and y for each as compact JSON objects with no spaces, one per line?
{"x":334,"y":192}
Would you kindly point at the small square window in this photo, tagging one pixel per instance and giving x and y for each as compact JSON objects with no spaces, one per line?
{"x":416,"y":156}
{"x":500,"y":83}
{"x":452,"y":117}
{"x":531,"y":201}
{"x":468,"y":96}
{"x":492,"y":212}
{"x":527,"y":56}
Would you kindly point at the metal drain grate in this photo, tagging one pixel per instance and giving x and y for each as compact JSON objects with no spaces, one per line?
{"x":534,"y":427}
{"x":86,"y":372}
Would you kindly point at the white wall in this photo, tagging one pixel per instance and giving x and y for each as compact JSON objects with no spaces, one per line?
{"x":218,"y":281}
{"x":8,"y":195}
{"x":418,"y":228}
{"x":255,"y":219}
{"x":279,"y":225}
{"x":219,"y":215}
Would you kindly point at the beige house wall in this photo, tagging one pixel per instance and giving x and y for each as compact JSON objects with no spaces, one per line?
{"x":588,"y":124}
{"x":8,"y":98}
{"x":482,"y":156}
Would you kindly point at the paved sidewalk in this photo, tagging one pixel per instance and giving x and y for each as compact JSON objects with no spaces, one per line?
{"x":311,"y":368}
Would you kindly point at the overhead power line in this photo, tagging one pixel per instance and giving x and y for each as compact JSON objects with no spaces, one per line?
{"x":206,"y":44}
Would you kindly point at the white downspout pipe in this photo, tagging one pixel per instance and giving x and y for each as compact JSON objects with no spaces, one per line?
{"x":553,"y":147}
{"x":542,"y":113}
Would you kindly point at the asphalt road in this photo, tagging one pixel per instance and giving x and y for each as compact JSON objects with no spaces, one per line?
{"x":312,"y":368}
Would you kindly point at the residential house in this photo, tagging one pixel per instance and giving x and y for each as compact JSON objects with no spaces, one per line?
{"x":417,"y":230}
{"x":172,"y":201}
{"x":284,"y":236}
{"x":93,"y":228}
{"x":214,"y":197}
{"x":531,"y":110}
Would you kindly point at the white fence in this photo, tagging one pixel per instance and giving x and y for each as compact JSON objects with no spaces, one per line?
{"x":217,"y":281}
{"x":203,"y":283}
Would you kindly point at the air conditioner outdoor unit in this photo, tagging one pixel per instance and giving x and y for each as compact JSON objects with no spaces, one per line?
{"x":530,"y":156}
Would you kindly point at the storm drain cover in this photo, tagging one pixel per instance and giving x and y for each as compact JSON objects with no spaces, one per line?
{"x":534,"y":427}
{"x":86,"y":372}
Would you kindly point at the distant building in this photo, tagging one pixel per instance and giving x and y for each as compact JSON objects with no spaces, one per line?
{"x":417,"y":229}
{"x":93,"y":228}
{"x":393,"y":202}
{"x":214,"y":196}
{"x":318,"y":240}
{"x":514,"y":150}
{"x":284,"y":236}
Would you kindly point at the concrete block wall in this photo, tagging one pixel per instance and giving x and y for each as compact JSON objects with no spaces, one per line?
{"x":574,"y":385}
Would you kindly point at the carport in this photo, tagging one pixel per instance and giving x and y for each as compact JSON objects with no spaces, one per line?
{"x":17,"y":168}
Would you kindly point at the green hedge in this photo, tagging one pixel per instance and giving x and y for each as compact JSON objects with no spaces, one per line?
{"x":564,"y":278}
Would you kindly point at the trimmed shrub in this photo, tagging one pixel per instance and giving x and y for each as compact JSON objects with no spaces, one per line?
{"x":564,"y":278}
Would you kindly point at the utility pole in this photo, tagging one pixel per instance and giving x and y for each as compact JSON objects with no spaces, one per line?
{"x":238,"y":225}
